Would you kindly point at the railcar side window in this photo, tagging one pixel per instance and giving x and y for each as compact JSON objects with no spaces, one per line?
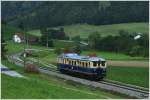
{"x":83,"y":64}
{"x":75,"y":63}
{"x":103,"y":63}
{"x":94,"y":63}
{"x":86,"y":64}
{"x":69,"y":62}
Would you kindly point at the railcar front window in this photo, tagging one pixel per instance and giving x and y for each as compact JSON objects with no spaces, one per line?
{"x":99,"y":63}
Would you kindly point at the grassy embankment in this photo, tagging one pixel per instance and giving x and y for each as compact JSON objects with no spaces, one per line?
{"x":42,"y":86}
{"x":84,"y":29}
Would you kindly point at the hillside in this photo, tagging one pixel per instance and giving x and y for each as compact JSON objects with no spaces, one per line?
{"x":48,"y":14}
{"x":85,"y":29}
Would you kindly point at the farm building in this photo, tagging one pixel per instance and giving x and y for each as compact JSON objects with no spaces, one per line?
{"x":19,"y":38}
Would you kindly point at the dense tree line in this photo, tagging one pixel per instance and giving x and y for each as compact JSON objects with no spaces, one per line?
{"x":124,"y":43}
{"x":54,"y":13}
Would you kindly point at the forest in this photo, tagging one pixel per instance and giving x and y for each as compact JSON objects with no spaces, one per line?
{"x":47,"y":14}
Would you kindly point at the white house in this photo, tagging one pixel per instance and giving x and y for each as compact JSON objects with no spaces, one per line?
{"x":137,"y":36}
{"x":16,"y":39}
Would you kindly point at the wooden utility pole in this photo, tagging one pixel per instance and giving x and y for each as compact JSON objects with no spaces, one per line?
{"x":38,"y":60}
{"x":24,"y":54}
{"x":47,"y":38}
{"x":27,"y":38}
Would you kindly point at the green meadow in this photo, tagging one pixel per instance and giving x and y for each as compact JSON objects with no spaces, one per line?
{"x":17,"y":47}
{"x":83,"y":30}
{"x":63,"y":43}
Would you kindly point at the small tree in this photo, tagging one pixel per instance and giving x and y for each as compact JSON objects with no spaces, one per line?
{"x":3,"y":46}
{"x":76,"y":38}
{"x":46,"y":38}
{"x":135,"y":50}
{"x":77,"y":49}
{"x":94,"y":39}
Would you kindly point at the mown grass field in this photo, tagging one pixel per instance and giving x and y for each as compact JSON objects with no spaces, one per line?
{"x":39,"y":86}
{"x":130,"y":75}
{"x":84,"y":29}
{"x":16,"y":47}
{"x":63,"y":44}
{"x":35,"y":33}
{"x":104,"y":30}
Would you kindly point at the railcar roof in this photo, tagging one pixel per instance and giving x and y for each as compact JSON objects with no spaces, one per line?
{"x":78,"y":57}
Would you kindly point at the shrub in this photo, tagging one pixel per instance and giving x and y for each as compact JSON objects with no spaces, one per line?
{"x":135,"y":50}
{"x":31,"y":68}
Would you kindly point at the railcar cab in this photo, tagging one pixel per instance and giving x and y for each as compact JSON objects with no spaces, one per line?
{"x":93,"y":66}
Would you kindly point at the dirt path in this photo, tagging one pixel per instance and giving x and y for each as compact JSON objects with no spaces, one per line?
{"x":128,"y":63}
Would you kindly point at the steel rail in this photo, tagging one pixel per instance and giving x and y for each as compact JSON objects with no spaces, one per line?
{"x":125,"y":87}
{"x":125,"y":84}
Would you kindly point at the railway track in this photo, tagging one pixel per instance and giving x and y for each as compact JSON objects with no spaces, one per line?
{"x":130,"y":90}
{"x":142,"y":93}
{"x":120,"y":88}
{"x":127,"y":85}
